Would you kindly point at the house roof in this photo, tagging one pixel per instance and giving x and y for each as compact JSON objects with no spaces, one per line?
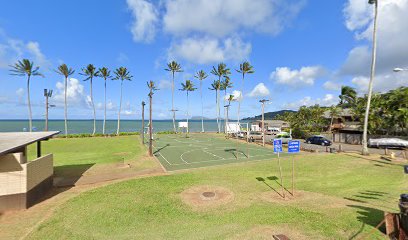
{"x":347,"y":112}
{"x":10,"y":141}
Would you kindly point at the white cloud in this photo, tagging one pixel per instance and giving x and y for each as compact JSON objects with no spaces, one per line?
{"x":382,"y":83}
{"x":145,"y":20}
{"x":164,"y":84}
{"x":75,"y":94}
{"x":109,"y":105}
{"x":34,"y":49}
{"x":306,"y":76}
{"x":391,"y":36}
{"x":328,"y":100}
{"x":12,"y":49}
{"x":210,"y":50}
{"x":260,"y":90}
{"x":237,"y":95}
{"x":330,"y":85}
{"x":223,"y":17}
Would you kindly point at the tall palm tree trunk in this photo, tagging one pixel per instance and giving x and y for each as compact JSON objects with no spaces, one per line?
{"x":150,"y":125}
{"x":30,"y":118}
{"x":240,"y":99}
{"x":120,"y":107}
{"x":331,"y":123}
{"x":370,"y":84}
{"x":65,"y":107}
{"x":218,"y":111}
{"x":202,"y":107}
{"x":94,"y":113}
{"x":187,"y":113}
{"x":172,"y":104}
{"x":104,"y":115}
{"x":216,"y":105}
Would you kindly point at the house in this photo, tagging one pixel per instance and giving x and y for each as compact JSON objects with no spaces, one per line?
{"x":23,"y":182}
{"x":345,"y":128}
{"x":271,"y":124}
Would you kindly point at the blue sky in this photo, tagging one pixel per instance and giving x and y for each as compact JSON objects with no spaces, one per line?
{"x":302,"y":51}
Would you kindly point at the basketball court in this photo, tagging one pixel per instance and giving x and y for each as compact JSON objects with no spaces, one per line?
{"x":176,"y":151}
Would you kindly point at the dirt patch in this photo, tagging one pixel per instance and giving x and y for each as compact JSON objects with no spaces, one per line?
{"x":305,"y":198}
{"x":267,"y":232}
{"x":206,"y":197}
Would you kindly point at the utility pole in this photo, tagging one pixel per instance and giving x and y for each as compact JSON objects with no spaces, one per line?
{"x":143,"y":125}
{"x":370,"y":84}
{"x":150,"y":124}
{"x":47,"y":94}
{"x":263,"y":125}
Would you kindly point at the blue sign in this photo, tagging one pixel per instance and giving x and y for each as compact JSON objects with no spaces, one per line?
{"x":277,"y":145}
{"x":294,"y":146}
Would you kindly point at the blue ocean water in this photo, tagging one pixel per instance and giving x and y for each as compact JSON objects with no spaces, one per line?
{"x":86,"y":126}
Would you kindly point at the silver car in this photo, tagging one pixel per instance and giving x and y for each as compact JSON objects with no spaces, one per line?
{"x":255,"y":136}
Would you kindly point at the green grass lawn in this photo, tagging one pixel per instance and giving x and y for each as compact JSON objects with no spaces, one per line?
{"x":343,"y":197}
{"x":73,"y":156}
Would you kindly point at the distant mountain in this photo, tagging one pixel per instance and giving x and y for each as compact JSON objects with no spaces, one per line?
{"x":268,"y":115}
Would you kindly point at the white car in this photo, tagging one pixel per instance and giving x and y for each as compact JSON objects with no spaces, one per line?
{"x":286,"y":137}
{"x":388,"y":143}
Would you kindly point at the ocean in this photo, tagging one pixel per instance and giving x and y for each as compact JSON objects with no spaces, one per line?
{"x":86,"y":126}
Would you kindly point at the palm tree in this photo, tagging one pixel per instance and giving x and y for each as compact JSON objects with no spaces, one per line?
{"x":152,"y":88}
{"x":334,"y":112}
{"x":221,"y":72}
{"x":216,"y":86}
{"x":244,"y":68}
{"x":201,"y":75}
{"x":370,"y":83}
{"x":121,"y":74}
{"x":347,"y":96}
{"x":26,"y":68}
{"x":90,"y":72}
{"x":188,"y":86}
{"x":65,"y":71}
{"x":229,"y":99}
{"x":224,"y":86}
{"x":173,"y":67}
{"x":105,"y":74}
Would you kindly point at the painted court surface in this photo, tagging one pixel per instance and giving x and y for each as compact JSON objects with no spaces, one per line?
{"x":176,"y":152}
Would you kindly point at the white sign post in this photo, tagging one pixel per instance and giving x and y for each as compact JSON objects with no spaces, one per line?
{"x":293,"y":147}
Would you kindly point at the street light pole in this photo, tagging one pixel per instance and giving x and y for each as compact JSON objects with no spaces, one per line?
{"x":143,"y":123}
{"x":370,"y":84}
{"x":263,"y":125}
{"x":47,"y":94}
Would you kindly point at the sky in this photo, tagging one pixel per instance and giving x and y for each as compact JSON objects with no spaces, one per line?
{"x":302,"y":52}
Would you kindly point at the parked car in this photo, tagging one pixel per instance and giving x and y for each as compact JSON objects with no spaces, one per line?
{"x":286,"y":137}
{"x":241,"y":134}
{"x":388,"y":143}
{"x":320,"y":140}
{"x":255,"y":136}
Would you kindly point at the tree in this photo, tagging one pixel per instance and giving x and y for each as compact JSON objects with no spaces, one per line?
{"x":152,"y":88}
{"x":105,"y":74}
{"x":90,"y":72}
{"x":121,"y":74}
{"x":26,"y":68}
{"x":173,"y":67}
{"x":229,"y":99}
{"x":216,"y":86}
{"x":334,"y":112}
{"x":224,"y":86}
{"x":201,"y":75}
{"x":221,"y":71}
{"x":244,"y":68}
{"x":188,"y":86}
{"x":65,"y":71}
{"x":347,"y":96}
